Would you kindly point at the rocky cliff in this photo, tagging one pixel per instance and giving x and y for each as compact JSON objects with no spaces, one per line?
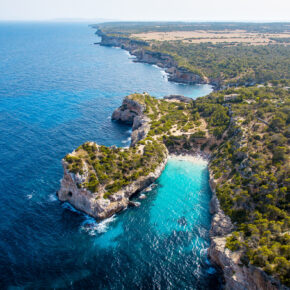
{"x":128,"y":172}
{"x":142,"y":51}
{"x":96,"y":205}
{"x":132,"y":112}
{"x":237,"y":276}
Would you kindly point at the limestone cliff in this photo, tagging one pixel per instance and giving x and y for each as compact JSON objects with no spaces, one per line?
{"x":132,"y":112}
{"x":99,"y":202}
{"x":96,"y":205}
{"x":237,"y":276}
{"x":141,"y":50}
{"x":159,"y":126}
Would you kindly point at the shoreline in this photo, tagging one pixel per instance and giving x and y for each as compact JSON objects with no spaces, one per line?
{"x":133,"y":49}
{"x":194,"y":158}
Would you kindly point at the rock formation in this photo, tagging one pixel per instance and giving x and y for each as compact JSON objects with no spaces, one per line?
{"x":237,"y":276}
{"x":96,"y":205}
{"x":132,"y":112}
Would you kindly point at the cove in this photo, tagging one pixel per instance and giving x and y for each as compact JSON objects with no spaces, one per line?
{"x":164,"y":241}
{"x":61,"y":94}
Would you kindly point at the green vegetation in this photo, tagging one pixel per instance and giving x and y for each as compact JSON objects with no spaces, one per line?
{"x":252,"y":172}
{"x":247,"y":131}
{"x":139,"y":27}
{"x":174,"y":124}
{"x":224,"y":63}
{"x":111,"y":168}
{"x":237,"y":64}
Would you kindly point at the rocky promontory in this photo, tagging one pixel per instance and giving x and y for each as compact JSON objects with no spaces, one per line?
{"x":103,"y":200}
{"x":132,"y":112}
{"x":96,"y":204}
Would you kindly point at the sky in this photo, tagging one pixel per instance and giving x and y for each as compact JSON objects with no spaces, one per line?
{"x":185,"y":10}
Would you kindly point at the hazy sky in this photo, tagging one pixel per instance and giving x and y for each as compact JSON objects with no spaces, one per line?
{"x":237,"y":10}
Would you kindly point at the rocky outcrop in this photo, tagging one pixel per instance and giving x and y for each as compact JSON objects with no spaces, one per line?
{"x":161,"y":59}
{"x":185,"y":76}
{"x":132,"y":112}
{"x":140,"y":129}
{"x":237,"y":276}
{"x":96,"y":205}
{"x":127,"y":112}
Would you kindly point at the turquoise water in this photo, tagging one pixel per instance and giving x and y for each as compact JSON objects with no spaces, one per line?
{"x":58,"y":90}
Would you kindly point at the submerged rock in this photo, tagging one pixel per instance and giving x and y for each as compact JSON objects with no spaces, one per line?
{"x":182,"y":221}
{"x":134,"y":203}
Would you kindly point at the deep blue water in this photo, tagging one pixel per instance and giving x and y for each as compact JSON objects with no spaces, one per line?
{"x":58,"y":90}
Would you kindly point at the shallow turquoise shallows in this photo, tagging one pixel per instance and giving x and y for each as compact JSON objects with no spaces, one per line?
{"x":58,"y":90}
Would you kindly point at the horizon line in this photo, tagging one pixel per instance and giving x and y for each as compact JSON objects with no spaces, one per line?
{"x":141,"y":21}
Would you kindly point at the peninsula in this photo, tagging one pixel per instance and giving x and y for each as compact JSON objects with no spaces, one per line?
{"x":245,"y":133}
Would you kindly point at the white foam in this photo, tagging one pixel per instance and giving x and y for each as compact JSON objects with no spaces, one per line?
{"x":92,"y":227}
{"x":164,"y":75}
{"x":52,"y":197}
{"x":68,"y":206}
{"x":126,"y":141}
{"x":29,"y":196}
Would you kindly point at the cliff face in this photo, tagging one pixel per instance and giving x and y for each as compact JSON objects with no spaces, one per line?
{"x":138,"y":49}
{"x":237,"y":276}
{"x":96,"y":205}
{"x":132,"y":112}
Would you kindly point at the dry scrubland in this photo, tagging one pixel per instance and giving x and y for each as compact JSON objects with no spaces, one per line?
{"x":225,"y":36}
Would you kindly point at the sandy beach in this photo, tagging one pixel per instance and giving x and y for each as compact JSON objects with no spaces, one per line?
{"x":198,"y":159}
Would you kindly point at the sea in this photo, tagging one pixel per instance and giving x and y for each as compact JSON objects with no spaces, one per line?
{"x":57,"y":90}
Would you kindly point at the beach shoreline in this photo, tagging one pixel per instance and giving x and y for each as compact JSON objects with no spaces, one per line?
{"x":201,"y":159}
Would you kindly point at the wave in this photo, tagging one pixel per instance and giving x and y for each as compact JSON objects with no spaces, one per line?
{"x":92,"y":227}
{"x":68,"y":206}
{"x":164,"y":75}
{"x":52,"y":197}
{"x":126,"y":141}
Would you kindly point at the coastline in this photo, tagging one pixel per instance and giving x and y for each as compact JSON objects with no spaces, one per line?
{"x":174,"y":73}
{"x":194,"y":158}
{"x":236,"y":276}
